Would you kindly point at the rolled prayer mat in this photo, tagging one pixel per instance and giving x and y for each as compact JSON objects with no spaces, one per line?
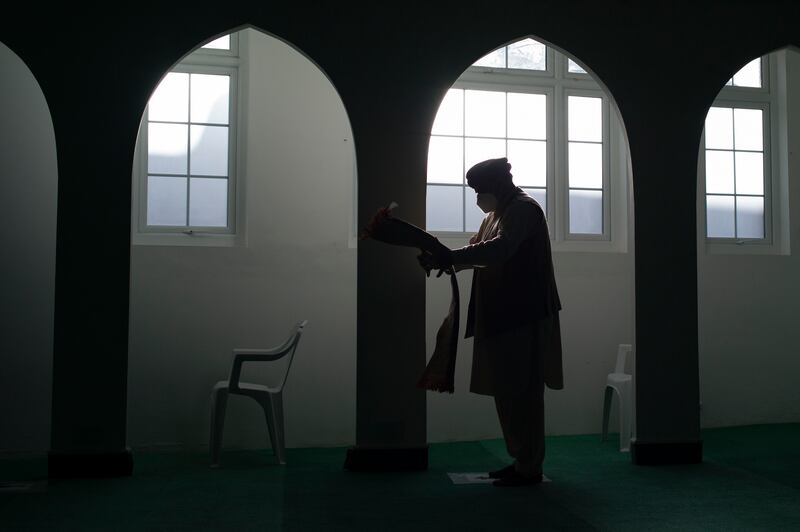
{"x":439,"y":374}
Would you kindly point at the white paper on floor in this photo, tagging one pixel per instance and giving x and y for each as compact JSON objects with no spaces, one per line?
{"x":477,"y":478}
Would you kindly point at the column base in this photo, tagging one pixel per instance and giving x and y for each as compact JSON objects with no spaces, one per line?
{"x":89,"y":464}
{"x":669,"y":453}
{"x":386,"y":459}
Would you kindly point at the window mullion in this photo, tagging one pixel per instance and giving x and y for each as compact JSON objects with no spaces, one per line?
{"x":188,"y":149}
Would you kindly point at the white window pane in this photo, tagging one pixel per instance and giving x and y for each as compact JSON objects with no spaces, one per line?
{"x":485,"y":113}
{"x":527,"y":54}
{"x":166,"y":200}
{"x":208,"y":202}
{"x":477,"y":150}
{"x":166,"y":148}
{"x":474,"y":215}
{"x":528,"y":160}
{"x":749,"y":173}
{"x":210,"y":99}
{"x":585,"y":212}
{"x":749,"y":75}
{"x":574,"y":67}
{"x":450,"y":117}
{"x":170,"y":101}
{"x":540,"y":195}
{"x":720,"y":220}
{"x":585,"y":118}
{"x":222,"y":43}
{"x":527,"y":116}
{"x":750,"y":217}
{"x":748,"y":130}
{"x":443,"y":208}
{"x":445,"y":160}
{"x":209,"y":150}
{"x":585,"y":165}
{"x":719,"y":172}
{"x":719,"y":128}
{"x":494,"y":59}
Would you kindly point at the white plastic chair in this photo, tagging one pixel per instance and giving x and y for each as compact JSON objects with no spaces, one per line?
{"x":270,"y":398}
{"x":621,"y":383}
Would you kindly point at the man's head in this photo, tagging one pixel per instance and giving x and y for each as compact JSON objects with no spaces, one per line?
{"x":490,"y":179}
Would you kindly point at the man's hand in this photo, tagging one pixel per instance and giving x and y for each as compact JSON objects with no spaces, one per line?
{"x":440,"y":261}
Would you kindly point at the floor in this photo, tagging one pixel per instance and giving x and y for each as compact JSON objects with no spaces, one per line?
{"x":749,"y":480}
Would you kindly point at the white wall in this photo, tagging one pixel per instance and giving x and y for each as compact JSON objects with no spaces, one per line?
{"x":191,"y":305}
{"x":748,"y":311}
{"x":28,"y":190}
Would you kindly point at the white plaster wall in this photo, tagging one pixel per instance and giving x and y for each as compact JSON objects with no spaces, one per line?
{"x":28,"y":191}
{"x":190,"y":306}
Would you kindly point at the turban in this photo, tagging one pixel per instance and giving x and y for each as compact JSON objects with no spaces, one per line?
{"x":490,"y":175}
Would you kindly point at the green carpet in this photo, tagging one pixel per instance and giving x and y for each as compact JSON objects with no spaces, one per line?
{"x":749,"y":481}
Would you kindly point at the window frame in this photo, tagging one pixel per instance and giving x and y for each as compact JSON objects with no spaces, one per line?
{"x":767,"y":98}
{"x":605,"y":235}
{"x":232,"y":52}
{"x":548,"y":72}
{"x":201,"y":61}
{"x":548,"y":92}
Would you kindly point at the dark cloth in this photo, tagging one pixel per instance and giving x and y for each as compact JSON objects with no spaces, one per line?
{"x":517,"y":282}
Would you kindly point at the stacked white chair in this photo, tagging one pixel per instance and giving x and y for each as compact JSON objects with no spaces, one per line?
{"x":621,"y":383}
{"x":270,"y":398}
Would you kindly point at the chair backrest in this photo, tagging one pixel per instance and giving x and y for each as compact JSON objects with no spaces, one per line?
{"x":294,"y":339}
{"x":622,"y":353}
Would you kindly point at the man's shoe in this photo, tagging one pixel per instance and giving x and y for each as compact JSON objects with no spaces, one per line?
{"x":515,"y":479}
{"x":502,"y":473}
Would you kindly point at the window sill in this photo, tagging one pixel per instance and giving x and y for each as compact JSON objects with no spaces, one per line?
{"x":744,"y":248}
{"x":182,"y":239}
{"x":455,"y":239}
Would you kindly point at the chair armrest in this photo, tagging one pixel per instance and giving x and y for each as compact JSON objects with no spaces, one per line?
{"x":240,"y":356}
{"x":255,"y":355}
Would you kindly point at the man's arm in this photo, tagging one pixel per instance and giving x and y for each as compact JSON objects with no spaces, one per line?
{"x":516,"y":225}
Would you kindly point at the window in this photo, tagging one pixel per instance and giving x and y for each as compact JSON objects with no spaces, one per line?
{"x":734,"y":149}
{"x":736,"y":158}
{"x":527,"y":102}
{"x":187,"y":150}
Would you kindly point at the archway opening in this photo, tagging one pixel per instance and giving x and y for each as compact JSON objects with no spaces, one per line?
{"x":243,"y":201}
{"x":559,"y":127}
{"x":28,"y":197}
{"x":746,"y":273}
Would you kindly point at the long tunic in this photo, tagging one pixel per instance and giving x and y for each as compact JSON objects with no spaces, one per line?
{"x":514,"y":304}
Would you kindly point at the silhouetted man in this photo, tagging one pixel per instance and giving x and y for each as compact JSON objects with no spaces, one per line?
{"x":513,"y":314}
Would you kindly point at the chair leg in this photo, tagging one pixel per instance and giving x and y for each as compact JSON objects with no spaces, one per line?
{"x":277,"y":409}
{"x":625,"y":416}
{"x":606,"y":412}
{"x":273,"y":410}
{"x":219,"y":400}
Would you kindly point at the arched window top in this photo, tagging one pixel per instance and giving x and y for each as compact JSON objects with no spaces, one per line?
{"x":525,"y":54}
{"x":541,"y":109}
